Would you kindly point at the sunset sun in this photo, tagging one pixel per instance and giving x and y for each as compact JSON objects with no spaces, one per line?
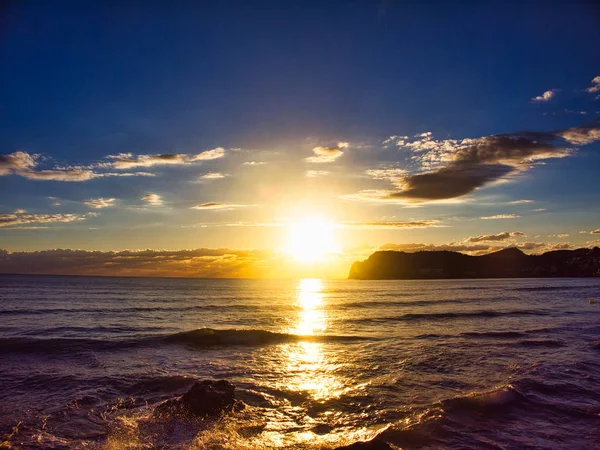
{"x":311,"y":239}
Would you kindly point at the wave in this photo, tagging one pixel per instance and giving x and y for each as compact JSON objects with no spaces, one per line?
{"x":452,"y":315}
{"x":551,"y":343}
{"x":381,"y":303}
{"x":552,"y":288}
{"x":502,"y":334}
{"x":210,"y":336}
{"x":138,"y":309}
{"x":487,"y":401}
{"x":203,"y":337}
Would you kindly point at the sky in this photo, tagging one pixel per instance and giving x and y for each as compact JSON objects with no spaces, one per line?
{"x":193,"y":138}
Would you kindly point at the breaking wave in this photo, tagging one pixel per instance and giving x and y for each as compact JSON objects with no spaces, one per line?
{"x":203,"y":337}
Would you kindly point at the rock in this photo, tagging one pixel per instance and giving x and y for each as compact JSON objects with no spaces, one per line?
{"x":374,"y":444}
{"x":204,"y":399}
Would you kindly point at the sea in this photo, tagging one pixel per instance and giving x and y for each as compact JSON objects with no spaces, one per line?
{"x":318,"y":364}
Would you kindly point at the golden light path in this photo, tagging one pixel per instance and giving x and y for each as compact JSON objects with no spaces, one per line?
{"x":312,"y":371}
{"x":306,"y":361}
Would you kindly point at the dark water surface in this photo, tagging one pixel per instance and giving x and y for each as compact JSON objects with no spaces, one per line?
{"x":465,"y":364}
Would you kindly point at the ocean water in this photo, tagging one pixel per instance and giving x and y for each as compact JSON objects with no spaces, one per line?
{"x":462,"y":364}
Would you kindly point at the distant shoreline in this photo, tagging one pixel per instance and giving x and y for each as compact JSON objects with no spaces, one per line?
{"x":507,"y":263}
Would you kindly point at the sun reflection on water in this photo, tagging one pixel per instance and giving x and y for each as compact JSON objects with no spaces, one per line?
{"x":310,"y":369}
{"x":311,"y":318}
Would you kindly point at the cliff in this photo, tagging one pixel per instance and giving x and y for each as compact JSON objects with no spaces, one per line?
{"x":507,"y":263}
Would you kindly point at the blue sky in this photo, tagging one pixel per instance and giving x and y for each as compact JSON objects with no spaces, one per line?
{"x":133,"y":125}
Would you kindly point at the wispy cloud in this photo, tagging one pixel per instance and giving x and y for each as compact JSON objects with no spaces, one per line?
{"x":546,"y":96}
{"x":520,"y":202}
{"x":595,"y":231}
{"x":17,"y":218}
{"x":26,"y":165}
{"x":327,"y":154}
{"x":501,"y":216}
{"x":130,"y":161}
{"x":425,"y":223}
{"x":212,"y":176}
{"x":99,"y":203}
{"x":394,"y":175}
{"x":217,"y":206}
{"x":152,"y":199}
{"x":595,"y":87}
{"x":316,"y":173}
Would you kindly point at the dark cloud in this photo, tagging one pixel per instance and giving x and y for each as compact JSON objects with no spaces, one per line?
{"x":496,"y":237}
{"x":595,"y":231}
{"x":450,"y":182}
{"x":473,"y":163}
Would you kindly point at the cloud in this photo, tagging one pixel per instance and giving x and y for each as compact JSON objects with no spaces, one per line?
{"x":183,"y":263}
{"x":327,"y":154}
{"x":216,"y":206}
{"x":99,"y":203}
{"x":17,"y":161}
{"x":316,"y":173}
{"x":595,"y":87}
{"x":463,"y":247}
{"x":18,"y":218}
{"x":595,"y":231}
{"x":130,"y":161}
{"x":582,"y":135}
{"x":254,"y":163}
{"x":546,"y":96}
{"x":520,"y":202}
{"x":453,"y":168}
{"x":501,"y":216}
{"x":477,"y":162}
{"x":152,"y":199}
{"x":425,"y":223}
{"x":496,"y":237}
{"x":212,"y":176}
{"x":25,"y":165}
{"x":395,"y":175}
{"x":209,"y":155}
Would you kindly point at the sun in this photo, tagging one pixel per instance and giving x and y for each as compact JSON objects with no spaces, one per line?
{"x":311,"y":239}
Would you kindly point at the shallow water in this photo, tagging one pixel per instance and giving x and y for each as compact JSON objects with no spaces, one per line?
{"x":424,"y":364}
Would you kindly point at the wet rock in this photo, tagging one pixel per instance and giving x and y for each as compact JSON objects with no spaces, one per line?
{"x":374,"y":444}
{"x":204,"y":399}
